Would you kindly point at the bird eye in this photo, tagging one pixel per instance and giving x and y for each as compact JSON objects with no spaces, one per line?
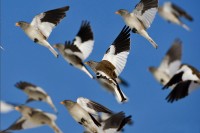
{"x":161,"y":80}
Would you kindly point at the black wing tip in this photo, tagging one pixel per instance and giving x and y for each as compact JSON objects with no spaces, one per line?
{"x":85,"y":23}
{"x":67,"y":42}
{"x":22,"y":84}
{"x":65,"y":8}
{"x":85,"y":32}
{"x":122,"y":42}
{"x":177,"y":41}
{"x":124,"y":121}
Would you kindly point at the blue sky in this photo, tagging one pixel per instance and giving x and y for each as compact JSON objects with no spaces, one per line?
{"x":23,"y":60}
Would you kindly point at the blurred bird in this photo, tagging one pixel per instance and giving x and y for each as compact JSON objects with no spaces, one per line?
{"x":113,"y":63}
{"x":81,"y":47}
{"x":42,"y":25}
{"x":35,"y":93}
{"x":1,"y":47}
{"x":172,"y":13}
{"x":32,"y":118}
{"x":6,"y":107}
{"x":111,"y":122}
{"x":84,"y":109}
{"x":81,"y":115}
{"x":169,"y":64}
{"x":141,"y":18}
{"x":185,"y":80}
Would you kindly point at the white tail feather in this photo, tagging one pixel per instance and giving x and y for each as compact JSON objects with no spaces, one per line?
{"x":49,"y":101}
{"x":120,"y":96}
{"x":87,"y":72}
{"x":145,"y":35}
{"x":55,"y":128}
{"x":53,"y":51}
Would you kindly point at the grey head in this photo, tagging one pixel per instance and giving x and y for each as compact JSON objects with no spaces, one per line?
{"x":59,"y":46}
{"x":92,"y":65}
{"x":152,"y":69}
{"x":68,"y":103}
{"x":22,"y":24}
{"x":23,"y":109}
{"x":122,"y":12}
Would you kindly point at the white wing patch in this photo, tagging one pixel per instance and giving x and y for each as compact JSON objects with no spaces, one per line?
{"x":188,"y":74}
{"x":36,"y":89}
{"x":28,"y":124}
{"x":85,"y":47}
{"x":44,"y":27}
{"x":147,"y":17}
{"x":119,"y":60}
{"x":173,"y":67}
{"x":83,"y":103}
{"x":51,"y":116}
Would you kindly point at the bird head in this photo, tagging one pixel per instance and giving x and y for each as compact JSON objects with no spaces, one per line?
{"x":22,"y":24}
{"x":122,"y":12}
{"x":59,"y":46}
{"x":92,"y":64}
{"x":21,"y":108}
{"x":152,"y":69}
{"x":68,"y":103}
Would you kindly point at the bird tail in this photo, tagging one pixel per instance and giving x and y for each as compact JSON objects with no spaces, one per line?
{"x":185,"y":27}
{"x":55,"y":128}
{"x":122,"y":82}
{"x":120,"y":96}
{"x":53,"y":51}
{"x":84,"y":69}
{"x":49,"y":101}
{"x":145,"y":35}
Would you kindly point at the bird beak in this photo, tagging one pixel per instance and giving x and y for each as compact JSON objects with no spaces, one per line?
{"x":16,"y":24}
{"x":17,"y":108}
{"x":62,"y":102}
{"x":116,"y":12}
{"x":54,"y":46}
{"x":86,"y":63}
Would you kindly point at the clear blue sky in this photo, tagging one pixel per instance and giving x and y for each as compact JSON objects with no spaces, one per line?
{"x":23,"y":60}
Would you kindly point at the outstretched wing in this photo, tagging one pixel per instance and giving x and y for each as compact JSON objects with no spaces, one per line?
{"x":172,"y":60}
{"x":46,"y":21}
{"x":118,"y":52}
{"x":92,"y":107}
{"x":145,"y":11}
{"x":22,"y":123}
{"x":178,"y":11}
{"x":84,"y":40}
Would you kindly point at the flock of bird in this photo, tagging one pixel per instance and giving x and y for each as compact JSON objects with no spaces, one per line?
{"x":182,"y":79}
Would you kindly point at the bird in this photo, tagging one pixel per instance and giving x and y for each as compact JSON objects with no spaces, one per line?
{"x":169,"y":64}
{"x":42,"y":25}
{"x":140,"y":19}
{"x":184,"y":81}
{"x":112,"y":64}
{"x":81,"y":115}
{"x":32,"y":118}
{"x":6,"y":107}
{"x":85,"y":110}
{"x":110,"y":121}
{"x":172,"y":13}
{"x":35,"y":93}
{"x":77,"y":51}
